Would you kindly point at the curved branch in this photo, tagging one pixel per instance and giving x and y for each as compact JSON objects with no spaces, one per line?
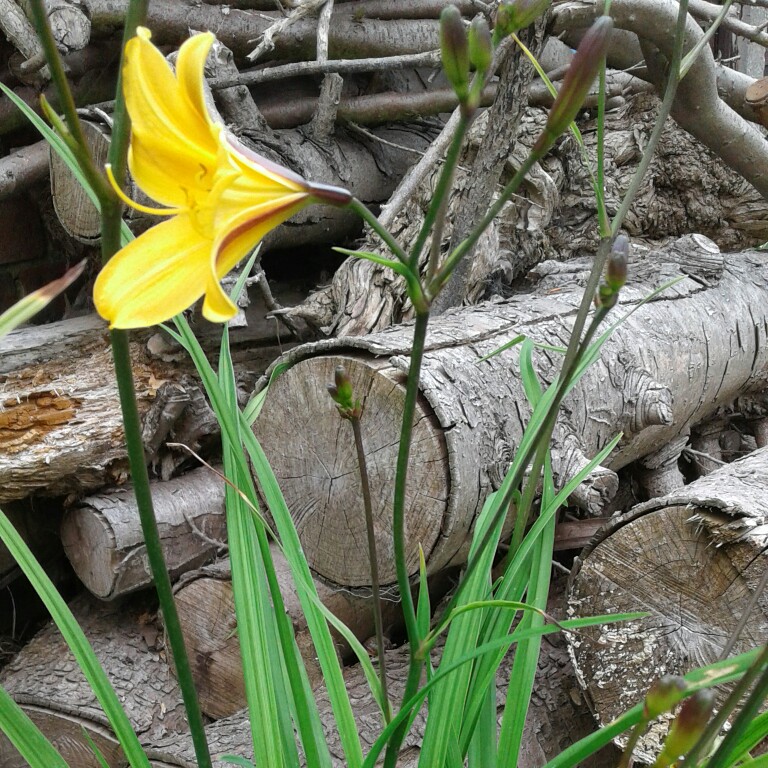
{"x":698,"y":108}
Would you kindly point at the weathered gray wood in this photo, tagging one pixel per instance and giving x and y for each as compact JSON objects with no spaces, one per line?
{"x":103,"y":540}
{"x":693,"y":560}
{"x":472,"y":411}
{"x":553,"y":215}
{"x":45,"y":680}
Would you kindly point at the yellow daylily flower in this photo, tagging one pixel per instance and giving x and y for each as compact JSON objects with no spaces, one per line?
{"x":221,"y":197}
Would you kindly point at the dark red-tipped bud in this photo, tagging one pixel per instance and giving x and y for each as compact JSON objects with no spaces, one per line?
{"x":663,"y":695}
{"x":480,"y":46}
{"x":577,"y":82}
{"x":511,"y":17}
{"x":618,"y":261}
{"x":686,"y":728}
{"x":454,"y":49}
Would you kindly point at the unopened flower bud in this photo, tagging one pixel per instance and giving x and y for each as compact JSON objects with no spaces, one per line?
{"x":480,"y":46}
{"x":341,"y":394}
{"x":513,"y":16}
{"x":618,"y":260}
{"x":454,"y":50}
{"x":686,"y":728}
{"x":577,"y":82}
{"x":663,"y":695}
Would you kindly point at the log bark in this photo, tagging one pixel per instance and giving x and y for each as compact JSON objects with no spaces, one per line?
{"x":45,"y":680}
{"x":103,"y":540}
{"x":472,"y":410}
{"x":694,"y":560}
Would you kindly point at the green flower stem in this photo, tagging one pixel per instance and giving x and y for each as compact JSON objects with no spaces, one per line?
{"x":673,"y":80}
{"x":110,"y":244}
{"x":398,"y":530}
{"x":758,"y":671}
{"x":374,"y":562}
{"x":365,"y":214}
{"x":66,"y":101}
{"x":436,"y":211}
{"x":141,"y":488}
{"x":121,"y":124}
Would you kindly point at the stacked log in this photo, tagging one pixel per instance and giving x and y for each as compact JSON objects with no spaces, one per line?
{"x":695,"y":560}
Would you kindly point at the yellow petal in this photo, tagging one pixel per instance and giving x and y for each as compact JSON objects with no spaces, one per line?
{"x":217,"y":307}
{"x":243,"y":231}
{"x":154,"y":277}
{"x":166,"y":124}
{"x":190,"y":72}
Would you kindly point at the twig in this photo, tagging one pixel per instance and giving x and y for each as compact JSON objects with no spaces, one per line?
{"x":324,"y":118}
{"x":702,"y":9}
{"x":305,"y":9}
{"x":342,"y":66}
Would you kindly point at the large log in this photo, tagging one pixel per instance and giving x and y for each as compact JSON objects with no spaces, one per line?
{"x":472,"y":410}
{"x":45,"y":680}
{"x":557,"y":717}
{"x":693,"y":560}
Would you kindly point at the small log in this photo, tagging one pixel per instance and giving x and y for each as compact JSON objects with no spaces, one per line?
{"x":472,"y":410}
{"x":207,"y":614}
{"x":694,"y":560}
{"x":103,"y":540}
{"x":45,"y":680}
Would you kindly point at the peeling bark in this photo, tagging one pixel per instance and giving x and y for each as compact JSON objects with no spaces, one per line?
{"x":60,"y":426}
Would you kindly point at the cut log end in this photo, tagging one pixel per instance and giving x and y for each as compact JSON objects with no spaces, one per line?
{"x":694,"y":593}
{"x":320,"y":472}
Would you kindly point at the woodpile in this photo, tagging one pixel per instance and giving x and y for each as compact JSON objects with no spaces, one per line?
{"x":356,"y":100}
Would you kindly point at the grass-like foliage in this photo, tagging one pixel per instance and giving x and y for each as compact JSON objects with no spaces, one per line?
{"x":486,"y":615}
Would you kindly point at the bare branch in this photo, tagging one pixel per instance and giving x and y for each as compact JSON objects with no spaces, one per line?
{"x":698,"y":108}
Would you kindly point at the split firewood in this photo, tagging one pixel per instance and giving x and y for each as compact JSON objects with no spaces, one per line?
{"x":103,"y":540}
{"x":695,"y":560}
{"x":472,"y":408}
{"x":45,"y":680}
